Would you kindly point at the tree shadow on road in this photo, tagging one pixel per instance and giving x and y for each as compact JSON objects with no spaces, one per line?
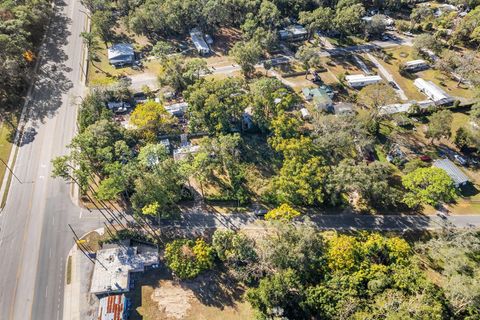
{"x":52,"y":79}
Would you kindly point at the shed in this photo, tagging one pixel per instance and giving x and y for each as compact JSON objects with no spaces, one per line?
{"x":121,"y":54}
{"x":432,"y":91}
{"x":360,"y":80}
{"x":199,"y":42}
{"x":454,"y":172}
{"x":113,"y":307}
{"x":305,"y":114}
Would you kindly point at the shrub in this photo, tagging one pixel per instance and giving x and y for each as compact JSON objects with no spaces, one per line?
{"x":188,"y":258}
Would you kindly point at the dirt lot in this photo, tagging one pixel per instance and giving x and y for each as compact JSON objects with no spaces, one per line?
{"x":211,"y":296}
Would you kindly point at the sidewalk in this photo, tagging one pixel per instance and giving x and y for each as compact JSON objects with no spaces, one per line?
{"x":78,"y":303}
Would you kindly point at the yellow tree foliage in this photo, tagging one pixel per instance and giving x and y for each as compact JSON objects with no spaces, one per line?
{"x":283,"y":213}
{"x":29,"y":56}
{"x":342,"y":253}
{"x":152,"y":119}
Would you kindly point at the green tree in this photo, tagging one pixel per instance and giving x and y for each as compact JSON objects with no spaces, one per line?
{"x":426,"y":41}
{"x":180,"y":73}
{"x":348,"y":19}
{"x":237,"y":251}
{"x":188,"y":258}
{"x":376,"y":96}
{"x":103,"y":21}
{"x":247,"y":55}
{"x":414,"y":164}
{"x":162,"y":49}
{"x":278,"y":295}
{"x":92,"y":109}
{"x":428,"y":186}
{"x":215,"y":106}
{"x":439,"y":125}
{"x":319,"y":19}
{"x":283,"y":213}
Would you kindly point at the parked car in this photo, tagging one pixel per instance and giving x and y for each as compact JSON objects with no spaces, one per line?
{"x":425,"y":158}
{"x":461,"y":160}
{"x":393,"y":84}
{"x":260,"y":213}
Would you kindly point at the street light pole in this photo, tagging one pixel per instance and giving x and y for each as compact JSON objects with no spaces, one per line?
{"x":11,"y":171}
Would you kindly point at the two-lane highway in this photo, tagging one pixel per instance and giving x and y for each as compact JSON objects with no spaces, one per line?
{"x":34,"y":236}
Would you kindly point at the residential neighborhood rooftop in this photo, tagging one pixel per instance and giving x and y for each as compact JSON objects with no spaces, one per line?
{"x":432,"y":91}
{"x":458,"y":177}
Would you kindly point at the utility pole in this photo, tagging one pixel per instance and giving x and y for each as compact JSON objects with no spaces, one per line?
{"x":11,"y":171}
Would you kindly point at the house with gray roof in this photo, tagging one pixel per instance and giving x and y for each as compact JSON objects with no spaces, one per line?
{"x":121,"y":54}
{"x":454,"y":172}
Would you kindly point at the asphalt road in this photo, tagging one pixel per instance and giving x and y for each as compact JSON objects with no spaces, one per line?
{"x":34,"y":236}
{"x":200,"y":221}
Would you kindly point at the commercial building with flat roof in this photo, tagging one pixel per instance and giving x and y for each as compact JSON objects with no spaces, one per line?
{"x":113,"y":266}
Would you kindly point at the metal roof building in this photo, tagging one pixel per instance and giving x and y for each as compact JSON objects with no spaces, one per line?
{"x":458,"y":177}
{"x":113,"y":307}
{"x":432,"y":91}
{"x":416,"y":65}
{"x":121,"y":54}
{"x":293,"y":33}
{"x":199,"y":41}
{"x":113,"y":266}
{"x":360,"y":80}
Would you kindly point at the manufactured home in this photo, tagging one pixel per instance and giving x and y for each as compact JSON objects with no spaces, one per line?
{"x":360,"y":80}
{"x":416,"y":65}
{"x":432,"y":91}
{"x":199,"y":42}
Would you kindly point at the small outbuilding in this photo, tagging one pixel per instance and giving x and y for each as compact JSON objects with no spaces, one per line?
{"x":360,"y":80}
{"x":121,"y":54}
{"x":454,"y":172}
{"x":305,"y":114}
{"x":113,"y":307}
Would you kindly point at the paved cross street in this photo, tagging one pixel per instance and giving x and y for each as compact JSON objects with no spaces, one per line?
{"x":34,"y":234}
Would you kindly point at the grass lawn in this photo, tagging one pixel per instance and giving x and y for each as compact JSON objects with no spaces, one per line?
{"x":400,"y":55}
{"x":447,"y":84}
{"x":6,"y":136}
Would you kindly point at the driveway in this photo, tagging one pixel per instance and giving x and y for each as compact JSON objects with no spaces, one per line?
{"x":388,"y":76}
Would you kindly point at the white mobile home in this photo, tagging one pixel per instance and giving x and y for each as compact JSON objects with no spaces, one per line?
{"x":416,"y":65}
{"x":360,"y":80}
{"x":432,"y":91}
{"x":199,"y":42}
